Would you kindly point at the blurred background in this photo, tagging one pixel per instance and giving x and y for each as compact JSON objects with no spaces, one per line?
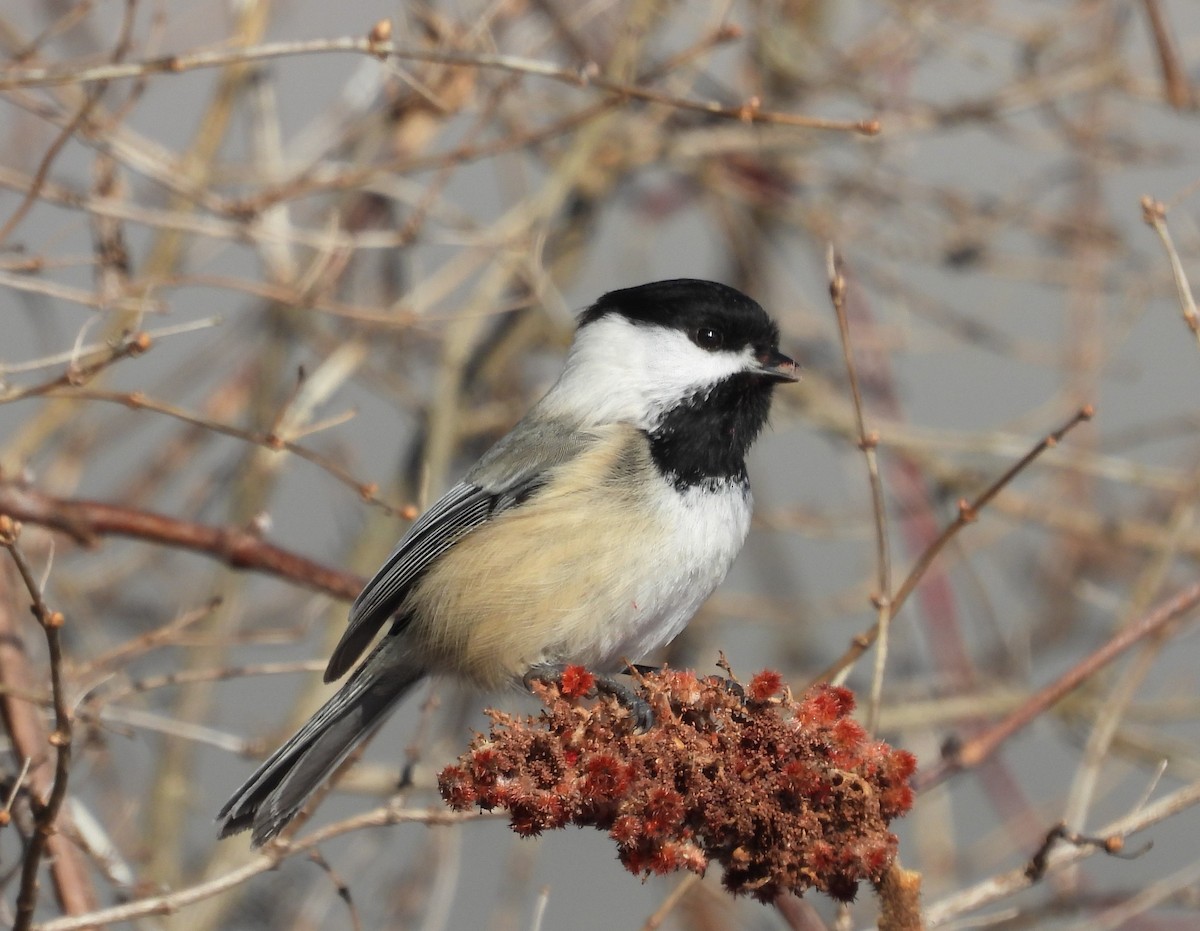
{"x":355,"y":237}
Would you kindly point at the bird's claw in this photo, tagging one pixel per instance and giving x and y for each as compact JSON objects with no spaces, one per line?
{"x":639,"y":709}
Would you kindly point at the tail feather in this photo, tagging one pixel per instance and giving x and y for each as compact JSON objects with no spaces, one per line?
{"x":283,"y":783}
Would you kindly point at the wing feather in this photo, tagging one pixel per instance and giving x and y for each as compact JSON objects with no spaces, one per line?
{"x":507,"y":475}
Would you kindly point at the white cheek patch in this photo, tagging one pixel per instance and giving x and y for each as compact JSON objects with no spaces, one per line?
{"x":618,"y":371}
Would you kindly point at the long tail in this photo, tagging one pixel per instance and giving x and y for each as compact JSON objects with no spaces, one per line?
{"x":271,"y":797}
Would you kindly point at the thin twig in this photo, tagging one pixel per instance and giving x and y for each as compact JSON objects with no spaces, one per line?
{"x":127,"y":348}
{"x":1175,"y":77}
{"x":672,"y":899}
{"x":68,"y":131}
{"x":45,"y":812}
{"x":86,"y":521}
{"x":137,"y":401}
{"x":19,"y":708}
{"x":340,"y":887}
{"x":1138,"y":903}
{"x":268,"y":859}
{"x":869,"y":444}
{"x":1119,"y":696}
{"x":217,"y":674}
{"x":968,"y":512}
{"x":587,"y":76}
{"x":981,"y":747}
{"x":1007,"y":884}
{"x":1154,"y":212}
{"x":165,"y":635}
{"x":75,"y":353}
{"x":539,"y":909}
{"x":1113,"y":845}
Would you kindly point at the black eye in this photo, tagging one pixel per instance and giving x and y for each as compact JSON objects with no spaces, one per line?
{"x":708,"y":338}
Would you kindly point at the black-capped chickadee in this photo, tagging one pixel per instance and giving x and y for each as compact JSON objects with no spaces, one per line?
{"x":589,"y":535}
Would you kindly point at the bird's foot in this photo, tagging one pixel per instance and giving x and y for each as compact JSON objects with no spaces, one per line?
{"x":732,"y":686}
{"x":638,"y":708}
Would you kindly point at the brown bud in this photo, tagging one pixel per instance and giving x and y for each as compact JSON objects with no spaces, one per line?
{"x":380,"y":32}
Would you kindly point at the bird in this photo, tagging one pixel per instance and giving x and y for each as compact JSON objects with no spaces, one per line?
{"x":589,"y":534}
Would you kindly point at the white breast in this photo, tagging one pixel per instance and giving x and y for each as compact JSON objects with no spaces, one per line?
{"x":705,"y":530}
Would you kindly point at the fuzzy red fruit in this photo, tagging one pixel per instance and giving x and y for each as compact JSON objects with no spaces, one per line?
{"x":786,"y":795}
{"x":765,"y":686}
{"x":576,"y":682}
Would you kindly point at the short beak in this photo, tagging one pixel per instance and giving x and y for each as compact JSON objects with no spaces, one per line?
{"x":774,"y":365}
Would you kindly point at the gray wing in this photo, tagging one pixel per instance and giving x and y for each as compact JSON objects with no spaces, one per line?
{"x":508,"y":474}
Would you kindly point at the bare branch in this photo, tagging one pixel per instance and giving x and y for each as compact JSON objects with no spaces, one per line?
{"x":968,"y":512}
{"x":749,"y":112}
{"x":1154,"y":212}
{"x":268,"y":859}
{"x":87,"y":521}
{"x":981,"y":747}
{"x":868,"y":443}
{"x":73,"y":887}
